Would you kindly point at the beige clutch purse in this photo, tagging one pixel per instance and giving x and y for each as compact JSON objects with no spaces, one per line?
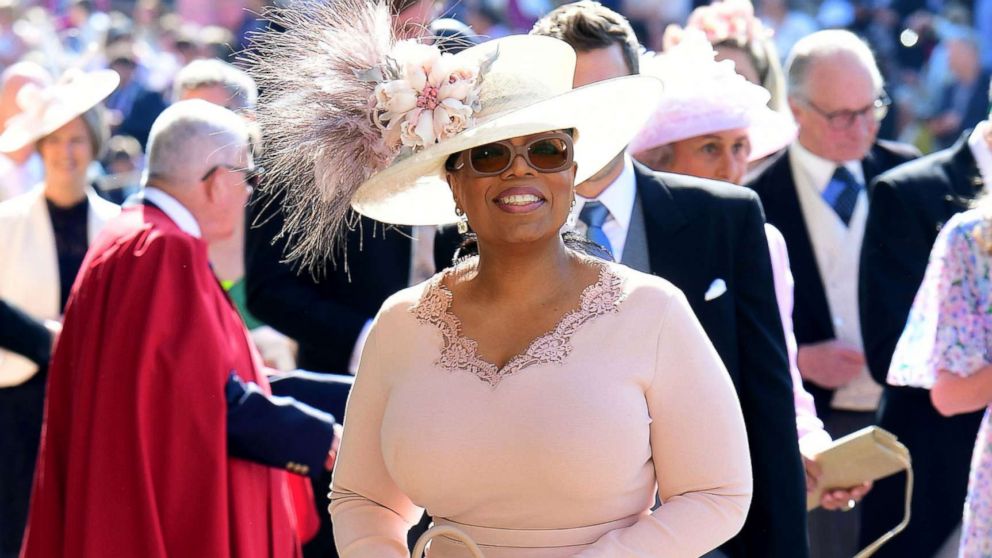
{"x":866,"y":455}
{"x":869,"y":454}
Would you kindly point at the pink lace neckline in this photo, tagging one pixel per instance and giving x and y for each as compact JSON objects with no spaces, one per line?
{"x":461,"y":353}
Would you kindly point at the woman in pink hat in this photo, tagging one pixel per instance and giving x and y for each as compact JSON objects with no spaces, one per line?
{"x":44,"y":234}
{"x":711,"y":123}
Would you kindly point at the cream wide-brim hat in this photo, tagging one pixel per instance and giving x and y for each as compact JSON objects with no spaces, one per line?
{"x":45,"y":110}
{"x":527,"y":90}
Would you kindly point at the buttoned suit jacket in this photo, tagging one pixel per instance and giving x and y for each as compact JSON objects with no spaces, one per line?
{"x":776,"y":187}
{"x":909,"y":205}
{"x":698,"y":232}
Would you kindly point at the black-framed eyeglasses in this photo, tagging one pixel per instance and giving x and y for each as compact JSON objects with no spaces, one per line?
{"x":548,"y":153}
{"x":843,"y":119}
{"x":253,"y":175}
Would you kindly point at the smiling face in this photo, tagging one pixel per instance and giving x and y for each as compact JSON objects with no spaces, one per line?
{"x":67,"y":154}
{"x":520,"y":204}
{"x":718,"y":156}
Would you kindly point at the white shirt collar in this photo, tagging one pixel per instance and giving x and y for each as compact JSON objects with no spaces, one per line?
{"x":618,"y":197}
{"x":173,"y":209}
{"x":980,"y":149}
{"x":818,"y":170}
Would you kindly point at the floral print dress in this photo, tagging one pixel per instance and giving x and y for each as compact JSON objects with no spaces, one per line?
{"x":950,"y":328}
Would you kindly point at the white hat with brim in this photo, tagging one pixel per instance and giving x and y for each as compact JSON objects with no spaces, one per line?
{"x":527,"y":90}
{"x":45,"y":110}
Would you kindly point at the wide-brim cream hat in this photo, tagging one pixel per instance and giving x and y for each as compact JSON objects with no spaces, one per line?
{"x":45,"y":110}
{"x":527,"y":90}
{"x":355,"y":118}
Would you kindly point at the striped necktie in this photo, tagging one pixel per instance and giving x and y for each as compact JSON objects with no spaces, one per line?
{"x":594,"y":214}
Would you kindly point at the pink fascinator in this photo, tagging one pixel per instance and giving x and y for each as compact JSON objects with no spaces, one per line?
{"x":703,"y":96}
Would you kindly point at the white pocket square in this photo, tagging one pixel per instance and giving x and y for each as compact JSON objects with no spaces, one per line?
{"x":717,"y":288}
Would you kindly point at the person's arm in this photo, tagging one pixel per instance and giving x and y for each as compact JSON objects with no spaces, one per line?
{"x":893,"y":261}
{"x":698,"y":445}
{"x":327,"y":392}
{"x":776,"y":524}
{"x":276,"y":431}
{"x":22,"y":334}
{"x":812,"y":435}
{"x":370,"y":514}
{"x":955,"y":395}
{"x":944,"y":346}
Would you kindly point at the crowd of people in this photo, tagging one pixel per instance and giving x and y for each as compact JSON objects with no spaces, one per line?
{"x":575,"y":279}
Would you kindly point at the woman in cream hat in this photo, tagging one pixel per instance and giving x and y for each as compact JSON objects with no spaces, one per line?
{"x":43,"y":238}
{"x":711,"y":123}
{"x":533,"y":397}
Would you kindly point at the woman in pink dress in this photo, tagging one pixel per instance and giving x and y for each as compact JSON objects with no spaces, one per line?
{"x":534,"y":397}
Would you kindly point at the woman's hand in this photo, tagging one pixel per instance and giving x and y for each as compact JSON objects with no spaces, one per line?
{"x":842,"y":499}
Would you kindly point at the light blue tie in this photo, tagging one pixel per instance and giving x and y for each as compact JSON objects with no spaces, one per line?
{"x":842,"y":193}
{"x":594,"y":214}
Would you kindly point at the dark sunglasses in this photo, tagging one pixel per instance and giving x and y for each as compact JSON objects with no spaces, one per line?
{"x":548,"y":153}
{"x":252,"y":176}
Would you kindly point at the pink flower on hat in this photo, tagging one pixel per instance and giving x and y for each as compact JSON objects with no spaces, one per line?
{"x":720,"y":21}
{"x":425,"y":96}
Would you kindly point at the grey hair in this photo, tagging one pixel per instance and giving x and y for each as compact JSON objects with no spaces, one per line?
{"x":191,"y":136}
{"x":205,"y":73}
{"x":822,"y":44}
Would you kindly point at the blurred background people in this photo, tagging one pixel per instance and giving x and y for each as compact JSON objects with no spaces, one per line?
{"x":815,"y":194}
{"x":20,"y":170}
{"x":909,"y":205}
{"x":44,"y":235}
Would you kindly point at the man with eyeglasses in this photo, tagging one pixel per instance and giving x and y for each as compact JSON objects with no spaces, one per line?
{"x":909,"y":205}
{"x":815,"y":194}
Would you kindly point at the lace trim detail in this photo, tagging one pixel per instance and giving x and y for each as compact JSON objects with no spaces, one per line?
{"x":460,"y":353}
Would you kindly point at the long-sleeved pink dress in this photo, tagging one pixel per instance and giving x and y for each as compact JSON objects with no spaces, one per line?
{"x":558,"y":453}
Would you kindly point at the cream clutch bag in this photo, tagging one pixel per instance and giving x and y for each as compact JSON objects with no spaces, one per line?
{"x":869,"y":454}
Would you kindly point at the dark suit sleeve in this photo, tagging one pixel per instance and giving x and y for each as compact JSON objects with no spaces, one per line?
{"x":893,"y":260}
{"x":446,"y":243}
{"x":327,"y":392}
{"x":22,"y":334}
{"x":276,"y":431}
{"x":776,"y":523}
{"x":290,"y":302}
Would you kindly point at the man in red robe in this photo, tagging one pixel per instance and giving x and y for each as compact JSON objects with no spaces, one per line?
{"x":139,"y":454}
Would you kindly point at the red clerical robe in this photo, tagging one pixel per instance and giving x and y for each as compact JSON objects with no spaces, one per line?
{"x":133,"y":458}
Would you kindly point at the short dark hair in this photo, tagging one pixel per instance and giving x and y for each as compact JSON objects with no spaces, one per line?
{"x":587,"y":25}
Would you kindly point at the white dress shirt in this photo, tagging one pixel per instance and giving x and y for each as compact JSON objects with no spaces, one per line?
{"x":173,"y":209}
{"x":619,"y":199}
{"x":837,"y":248}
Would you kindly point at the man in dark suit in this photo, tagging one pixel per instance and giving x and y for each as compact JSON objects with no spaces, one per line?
{"x":708,"y":239}
{"x":814,"y":194}
{"x":909,"y":205}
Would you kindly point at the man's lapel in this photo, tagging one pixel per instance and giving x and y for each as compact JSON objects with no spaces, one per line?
{"x":663,"y":218}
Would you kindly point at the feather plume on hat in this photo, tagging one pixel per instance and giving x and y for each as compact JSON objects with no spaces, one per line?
{"x":320,"y":143}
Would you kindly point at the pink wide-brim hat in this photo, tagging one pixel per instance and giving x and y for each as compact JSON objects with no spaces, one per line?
{"x":703,"y":96}
{"x":45,"y":110}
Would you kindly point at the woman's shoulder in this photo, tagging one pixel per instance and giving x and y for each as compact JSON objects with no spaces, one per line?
{"x":644,"y":288}
{"x":968,"y":229}
{"x":405,"y":302}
